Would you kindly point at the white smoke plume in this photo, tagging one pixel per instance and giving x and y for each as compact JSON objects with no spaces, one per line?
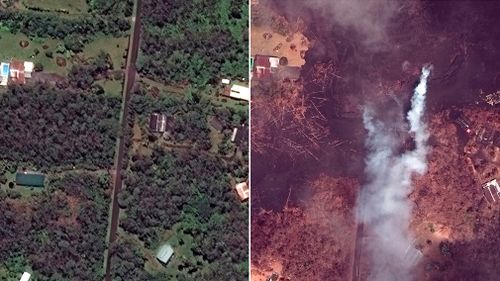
{"x":383,"y":206}
{"x":369,"y":19}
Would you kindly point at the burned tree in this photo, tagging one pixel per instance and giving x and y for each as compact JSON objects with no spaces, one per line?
{"x":286,"y":118}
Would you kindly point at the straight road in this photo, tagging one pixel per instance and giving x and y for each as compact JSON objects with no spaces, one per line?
{"x":357,"y":253}
{"x":130,"y":75}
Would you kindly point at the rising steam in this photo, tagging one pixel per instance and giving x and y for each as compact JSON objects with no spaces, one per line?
{"x":369,"y":19}
{"x":383,"y":206}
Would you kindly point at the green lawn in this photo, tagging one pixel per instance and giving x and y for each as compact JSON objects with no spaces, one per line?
{"x":10,"y":48}
{"x":114,"y":46}
{"x":166,"y":89}
{"x":180,"y":242}
{"x":113,"y":87}
{"x":71,"y":6}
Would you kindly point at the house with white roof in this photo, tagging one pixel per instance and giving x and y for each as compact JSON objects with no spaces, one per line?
{"x":25,"y":277}
{"x":165,"y":253}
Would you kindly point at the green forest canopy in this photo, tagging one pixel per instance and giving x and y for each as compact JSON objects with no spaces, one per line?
{"x":194,"y":41}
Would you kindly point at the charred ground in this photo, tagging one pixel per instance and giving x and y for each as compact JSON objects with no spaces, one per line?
{"x":454,"y":225}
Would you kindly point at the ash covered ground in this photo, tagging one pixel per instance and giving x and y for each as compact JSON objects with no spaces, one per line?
{"x":372,"y":53}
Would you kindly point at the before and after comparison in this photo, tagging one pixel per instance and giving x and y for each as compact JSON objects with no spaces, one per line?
{"x":262,"y":140}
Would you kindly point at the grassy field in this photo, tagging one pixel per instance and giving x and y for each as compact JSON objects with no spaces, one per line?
{"x":167,"y":89}
{"x":71,"y":6}
{"x":38,"y":47}
{"x":114,"y":46}
{"x":113,"y":87}
{"x":10,"y":48}
{"x":181,"y":243}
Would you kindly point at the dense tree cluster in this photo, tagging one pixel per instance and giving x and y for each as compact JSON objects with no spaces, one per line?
{"x":194,"y":190}
{"x":127,"y":262}
{"x":82,"y":76}
{"x":194,"y":41}
{"x":116,"y":7}
{"x":188,"y":117}
{"x":189,"y":189}
{"x":41,"y":24}
{"x":59,"y":233}
{"x":49,"y":127}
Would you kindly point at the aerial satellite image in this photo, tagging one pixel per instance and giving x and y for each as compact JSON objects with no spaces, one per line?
{"x":375,"y":129}
{"x":125,"y":140}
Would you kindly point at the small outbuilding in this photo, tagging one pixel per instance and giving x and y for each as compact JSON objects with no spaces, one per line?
{"x":25,"y":277}
{"x":491,"y":191}
{"x":243,"y":190}
{"x":240,"y":92}
{"x":28,"y":68}
{"x":165,"y":253}
{"x":264,"y":66}
{"x":30,"y":179}
{"x":158,"y":122}
{"x":240,"y":134}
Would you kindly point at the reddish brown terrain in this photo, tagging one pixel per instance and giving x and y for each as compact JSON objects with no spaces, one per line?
{"x":450,"y":207}
{"x":454,"y":226}
{"x":303,"y":242}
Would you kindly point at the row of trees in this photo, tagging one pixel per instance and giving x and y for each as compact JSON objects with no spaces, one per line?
{"x":40,"y":24}
{"x":59,"y":233}
{"x":194,"y":41}
{"x":49,"y":127}
{"x":111,"y":7}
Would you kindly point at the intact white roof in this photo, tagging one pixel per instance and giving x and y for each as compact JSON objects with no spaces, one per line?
{"x":233,"y":136}
{"x":274,"y":61}
{"x":28,"y":66}
{"x":26,"y":277}
{"x":226,"y":81}
{"x":240,"y":92}
{"x":165,"y":253}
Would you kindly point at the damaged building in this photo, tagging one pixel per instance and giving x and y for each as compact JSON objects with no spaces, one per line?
{"x":158,"y":123}
{"x":491,"y":191}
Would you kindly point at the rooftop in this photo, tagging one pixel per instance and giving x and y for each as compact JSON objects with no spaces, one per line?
{"x":243,"y":190}
{"x":240,"y":92}
{"x":25,"y":277}
{"x":158,"y":122}
{"x":165,"y":253}
{"x":4,"y":69}
{"x":30,"y":179}
{"x":491,"y":191}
